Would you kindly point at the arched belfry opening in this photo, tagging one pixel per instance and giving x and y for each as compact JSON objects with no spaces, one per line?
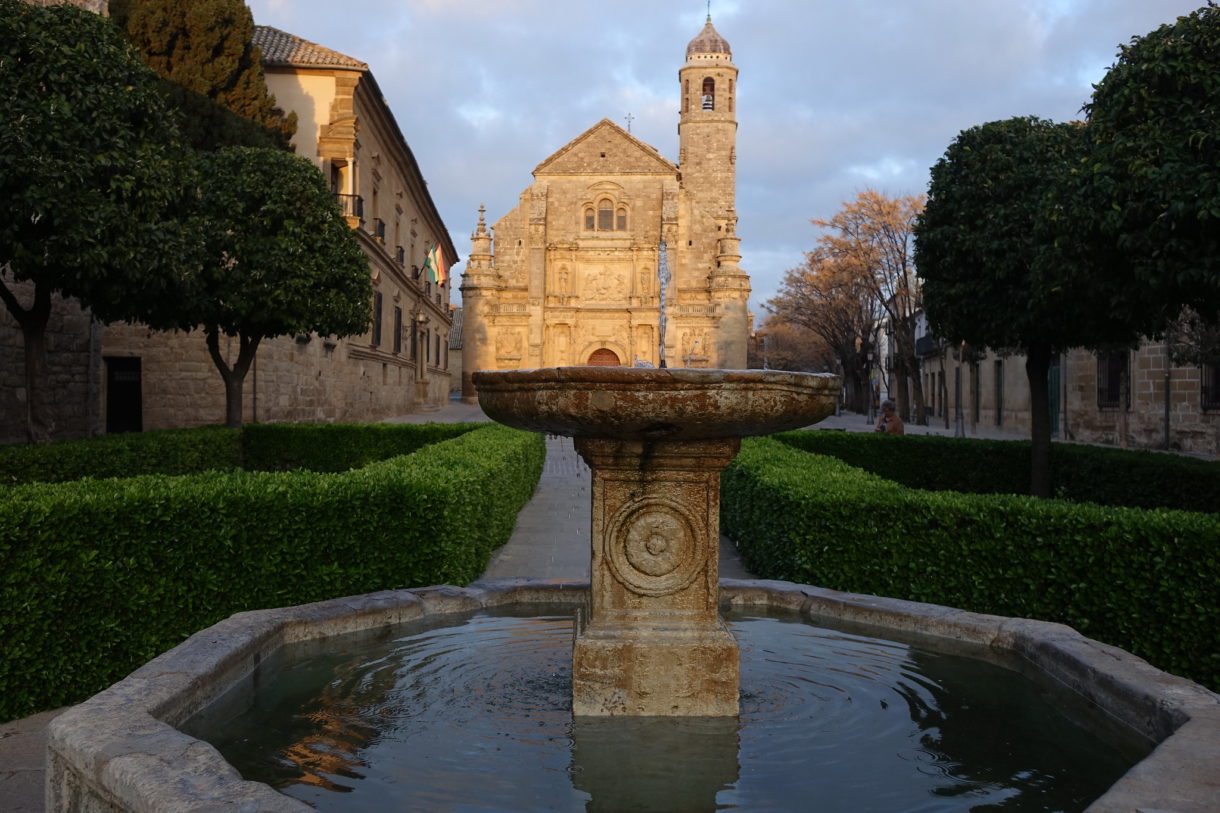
{"x":604,"y":357}
{"x":709,"y":93}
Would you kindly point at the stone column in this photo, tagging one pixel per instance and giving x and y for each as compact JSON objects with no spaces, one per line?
{"x":654,"y":644}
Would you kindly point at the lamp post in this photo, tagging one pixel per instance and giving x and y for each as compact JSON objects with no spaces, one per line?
{"x":869,"y":377}
{"x":421,"y":358}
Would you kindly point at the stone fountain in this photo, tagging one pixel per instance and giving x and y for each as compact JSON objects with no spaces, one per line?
{"x":653,"y":644}
{"x":656,"y":441}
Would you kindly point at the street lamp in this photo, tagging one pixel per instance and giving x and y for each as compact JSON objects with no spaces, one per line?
{"x":869,"y":376}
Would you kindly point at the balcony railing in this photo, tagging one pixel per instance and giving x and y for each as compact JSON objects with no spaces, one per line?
{"x":927,"y":346}
{"x":352,"y":206}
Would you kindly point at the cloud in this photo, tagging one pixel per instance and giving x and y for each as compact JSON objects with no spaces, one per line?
{"x":834,"y":96}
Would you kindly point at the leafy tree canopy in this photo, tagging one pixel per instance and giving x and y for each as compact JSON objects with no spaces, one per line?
{"x":995,"y":245}
{"x":278,"y":258}
{"x":1155,"y":163}
{"x":204,"y":49}
{"x":88,"y":165}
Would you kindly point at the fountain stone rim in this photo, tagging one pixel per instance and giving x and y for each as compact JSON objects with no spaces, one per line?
{"x":120,"y":748}
{"x":655,"y":404}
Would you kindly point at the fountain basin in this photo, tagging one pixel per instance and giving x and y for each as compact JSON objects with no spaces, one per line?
{"x":644,"y":403}
{"x":120,"y":749}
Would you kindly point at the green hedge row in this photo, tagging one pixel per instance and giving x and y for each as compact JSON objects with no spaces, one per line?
{"x":1134,"y":479}
{"x":336,"y":446}
{"x":168,"y":451}
{"x":1143,"y":580}
{"x":98,"y":576}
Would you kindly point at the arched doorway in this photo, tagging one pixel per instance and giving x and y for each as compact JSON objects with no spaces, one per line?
{"x":604,"y":358}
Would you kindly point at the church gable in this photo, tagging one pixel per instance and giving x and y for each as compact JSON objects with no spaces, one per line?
{"x":605,"y":149}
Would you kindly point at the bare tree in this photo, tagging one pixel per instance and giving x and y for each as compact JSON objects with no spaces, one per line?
{"x":873,"y":235}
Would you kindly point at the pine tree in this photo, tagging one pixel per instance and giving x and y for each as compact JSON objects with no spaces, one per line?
{"x":204,"y":49}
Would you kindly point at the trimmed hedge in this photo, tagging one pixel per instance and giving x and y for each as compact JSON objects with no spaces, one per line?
{"x":1134,"y":479}
{"x":1143,"y":580}
{"x":166,"y":451}
{"x":98,"y":576}
{"x":336,"y":446}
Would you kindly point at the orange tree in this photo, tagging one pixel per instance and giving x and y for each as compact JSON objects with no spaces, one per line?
{"x":1000,"y":265}
{"x":276,"y":258}
{"x":89,"y":177}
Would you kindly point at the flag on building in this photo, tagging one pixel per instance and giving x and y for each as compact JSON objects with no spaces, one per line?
{"x":429,"y":270}
{"x":438,"y":257}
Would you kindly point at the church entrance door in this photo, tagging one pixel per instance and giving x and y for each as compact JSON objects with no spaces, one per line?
{"x":604,"y":358}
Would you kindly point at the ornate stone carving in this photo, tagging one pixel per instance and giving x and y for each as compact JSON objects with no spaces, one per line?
{"x":654,"y":549}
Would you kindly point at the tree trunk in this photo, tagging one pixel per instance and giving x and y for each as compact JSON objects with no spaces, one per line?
{"x":234,"y":377}
{"x":39,"y":423}
{"x":1037,"y":368}
{"x":920,"y":404}
{"x":902,"y":396}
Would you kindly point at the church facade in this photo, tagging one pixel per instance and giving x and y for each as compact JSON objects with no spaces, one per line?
{"x":574,"y":274}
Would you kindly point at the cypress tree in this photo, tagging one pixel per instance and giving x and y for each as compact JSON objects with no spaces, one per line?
{"x":204,"y":50}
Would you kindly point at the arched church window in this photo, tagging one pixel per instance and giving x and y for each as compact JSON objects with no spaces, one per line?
{"x":590,"y":224}
{"x":709,"y":93}
{"x":605,"y":216}
{"x":620,"y":219}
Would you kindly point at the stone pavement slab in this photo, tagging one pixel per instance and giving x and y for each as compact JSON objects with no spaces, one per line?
{"x":23,"y":745}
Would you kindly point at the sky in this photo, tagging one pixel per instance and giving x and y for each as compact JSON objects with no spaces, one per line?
{"x":834,"y":96}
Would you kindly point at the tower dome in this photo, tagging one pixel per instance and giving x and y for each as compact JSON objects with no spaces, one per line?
{"x":708,"y":41}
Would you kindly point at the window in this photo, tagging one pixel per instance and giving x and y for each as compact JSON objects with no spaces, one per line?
{"x":999,"y":392}
{"x":397,"y":329}
{"x":376,"y":318}
{"x":1111,"y":369}
{"x":686,"y":96}
{"x":1211,"y":386}
{"x":608,"y":216}
{"x":605,"y":216}
{"x":709,"y":93}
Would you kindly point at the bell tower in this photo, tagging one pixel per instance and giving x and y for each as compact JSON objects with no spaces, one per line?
{"x":707,"y":126}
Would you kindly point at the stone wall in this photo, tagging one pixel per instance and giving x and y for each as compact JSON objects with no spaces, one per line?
{"x":1191,"y":428}
{"x":293,"y":379}
{"x":96,"y":6}
{"x":73,"y":366}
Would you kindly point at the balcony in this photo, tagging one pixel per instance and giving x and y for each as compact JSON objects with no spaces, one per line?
{"x":352,"y":208}
{"x":379,"y":230}
{"x":927,"y":346}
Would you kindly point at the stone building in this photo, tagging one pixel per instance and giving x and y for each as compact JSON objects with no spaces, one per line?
{"x":1167,"y":406}
{"x":573,"y":276}
{"x":165,"y":380}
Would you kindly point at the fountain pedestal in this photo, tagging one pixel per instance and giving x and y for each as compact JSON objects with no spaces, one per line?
{"x":655,"y":644}
{"x":657,"y":441}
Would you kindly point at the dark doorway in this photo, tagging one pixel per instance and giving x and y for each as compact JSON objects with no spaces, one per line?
{"x":123,"y":396}
{"x":604,"y":358}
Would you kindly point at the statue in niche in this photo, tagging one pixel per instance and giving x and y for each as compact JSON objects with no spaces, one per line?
{"x":561,"y":345}
{"x":562,"y":282}
{"x":645,"y":281}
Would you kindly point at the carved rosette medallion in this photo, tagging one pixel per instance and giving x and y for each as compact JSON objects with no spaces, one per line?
{"x":653,"y":547}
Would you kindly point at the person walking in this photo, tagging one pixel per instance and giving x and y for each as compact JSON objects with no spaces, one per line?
{"x":889,"y":422}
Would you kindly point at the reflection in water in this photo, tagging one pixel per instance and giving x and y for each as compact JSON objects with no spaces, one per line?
{"x":632,"y":763}
{"x":478,"y":716}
